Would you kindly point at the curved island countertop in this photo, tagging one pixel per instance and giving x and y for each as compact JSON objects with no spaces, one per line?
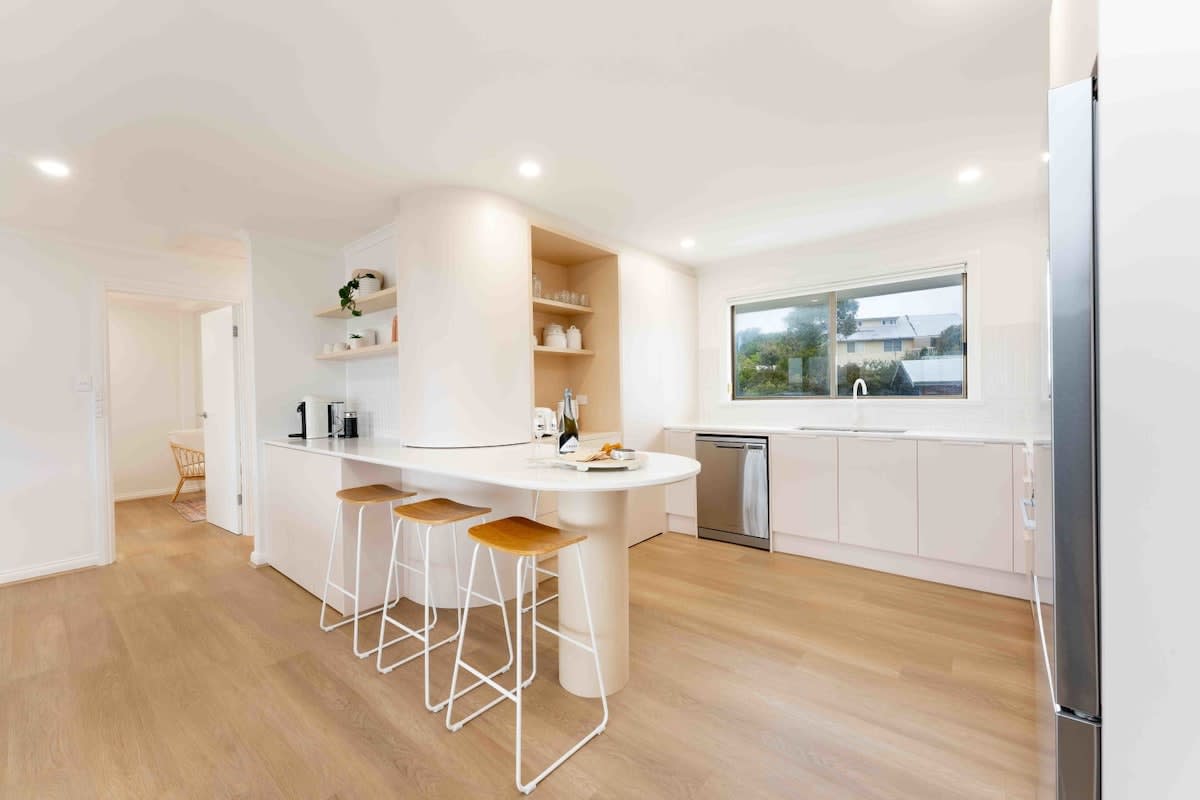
{"x":515,"y":466}
{"x":591,"y":503}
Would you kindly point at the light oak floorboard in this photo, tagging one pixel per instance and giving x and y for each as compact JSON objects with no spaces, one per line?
{"x":182,"y":672}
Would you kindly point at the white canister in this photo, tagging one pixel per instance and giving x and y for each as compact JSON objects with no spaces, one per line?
{"x":553,"y":336}
{"x":574,"y":338}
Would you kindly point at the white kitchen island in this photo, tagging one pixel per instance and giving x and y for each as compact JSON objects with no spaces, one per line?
{"x":301,"y":478}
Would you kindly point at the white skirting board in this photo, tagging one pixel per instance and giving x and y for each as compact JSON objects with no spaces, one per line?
{"x":50,"y":568}
{"x":1011,"y":584}
{"x":191,"y":486}
{"x":679,"y":524}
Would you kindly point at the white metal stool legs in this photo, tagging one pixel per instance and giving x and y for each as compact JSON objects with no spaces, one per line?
{"x":430,"y":614}
{"x":458,"y":662}
{"x":515,"y":694}
{"x":533,"y":570}
{"x":353,"y":595}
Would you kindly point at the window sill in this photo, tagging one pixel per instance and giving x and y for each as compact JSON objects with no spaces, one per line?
{"x":829,"y":402}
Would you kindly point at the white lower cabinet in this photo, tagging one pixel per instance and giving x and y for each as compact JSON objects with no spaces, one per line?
{"x":681,"y":497}
{"x":804,"y":486}
{"x":877,"y":493}
{"x":966,"y":504}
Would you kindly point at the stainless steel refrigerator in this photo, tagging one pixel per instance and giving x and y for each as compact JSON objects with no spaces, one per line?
{"x":1072,"y":316}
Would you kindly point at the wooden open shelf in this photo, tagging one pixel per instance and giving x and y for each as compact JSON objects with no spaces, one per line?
{"x":561,"y":351}
{"x":383,"y":300}
{"x":362,"y":352}
{"x":556,"y":307}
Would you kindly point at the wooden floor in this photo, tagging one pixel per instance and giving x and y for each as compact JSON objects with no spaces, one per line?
{"x":182,"y":672}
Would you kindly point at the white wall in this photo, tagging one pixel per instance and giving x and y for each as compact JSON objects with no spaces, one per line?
{"x":289,"y":281}
{"x":658,"y":348}
{"x":1149,"y":293}
{"x":154,"y":375}
{"x":1006,"y":251}
{"x":1073,"y":40}
{"x":373,"y":384}
{"x":49,"y":432}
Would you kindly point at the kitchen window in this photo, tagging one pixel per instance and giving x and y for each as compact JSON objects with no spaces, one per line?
{"x":903,"y":339}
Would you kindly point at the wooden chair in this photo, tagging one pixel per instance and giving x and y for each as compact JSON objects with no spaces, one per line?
{"x":190,"y":464}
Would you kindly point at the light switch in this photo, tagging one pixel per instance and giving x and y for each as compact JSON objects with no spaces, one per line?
{"x":581,"y":399}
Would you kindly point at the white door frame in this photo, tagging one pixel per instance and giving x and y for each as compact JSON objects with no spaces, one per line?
{"x":106,"y":529}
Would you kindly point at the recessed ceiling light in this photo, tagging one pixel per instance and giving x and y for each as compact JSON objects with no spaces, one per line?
{"x":1045,"y":158}
{"x":530,"y":169}
{"x":52,"y":167}
{"x":970,"y":175}
{"x":687,"y":243}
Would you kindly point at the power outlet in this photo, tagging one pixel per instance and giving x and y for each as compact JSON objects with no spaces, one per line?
{"x":581,"y":399}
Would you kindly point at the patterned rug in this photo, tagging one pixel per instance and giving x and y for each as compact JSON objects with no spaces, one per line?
{"x":191,"y":508}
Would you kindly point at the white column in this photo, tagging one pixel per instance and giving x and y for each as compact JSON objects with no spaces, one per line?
{"x":601,"y":517}
{"x":463,"y":303}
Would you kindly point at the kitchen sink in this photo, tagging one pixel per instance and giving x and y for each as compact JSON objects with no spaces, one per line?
{"x":849,"y":429}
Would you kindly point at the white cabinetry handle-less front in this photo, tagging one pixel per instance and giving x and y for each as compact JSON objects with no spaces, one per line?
{"x":965,"y":500}
{"x":877,"y":493}
{"x":804,"y":486}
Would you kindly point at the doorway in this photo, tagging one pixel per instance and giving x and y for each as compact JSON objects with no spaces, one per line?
{"x":173,"y":402}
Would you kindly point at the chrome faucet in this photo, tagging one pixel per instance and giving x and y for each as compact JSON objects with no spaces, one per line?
{"x":854,"y":400}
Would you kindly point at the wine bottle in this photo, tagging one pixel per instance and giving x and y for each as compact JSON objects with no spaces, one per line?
{"x":568,"y":440}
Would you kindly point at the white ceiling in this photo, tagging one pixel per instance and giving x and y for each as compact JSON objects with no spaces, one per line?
{"x":746,"y":125}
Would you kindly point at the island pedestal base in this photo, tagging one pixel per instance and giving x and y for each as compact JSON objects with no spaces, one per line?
{"x":601,"y":516}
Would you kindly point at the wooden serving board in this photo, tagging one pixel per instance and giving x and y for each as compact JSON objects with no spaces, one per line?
{"x":574,"y":460}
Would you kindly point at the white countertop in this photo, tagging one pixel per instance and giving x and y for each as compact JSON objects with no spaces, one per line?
{"x":943,"y":436}
{"x":512,"y":465}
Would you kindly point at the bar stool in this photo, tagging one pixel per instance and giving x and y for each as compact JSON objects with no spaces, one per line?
{"x":527,"y":540}
{"x":430,"y":513}
{"x":361,"y":496}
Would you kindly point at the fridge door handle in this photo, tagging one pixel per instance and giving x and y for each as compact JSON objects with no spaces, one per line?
{"x":1026,"y":507}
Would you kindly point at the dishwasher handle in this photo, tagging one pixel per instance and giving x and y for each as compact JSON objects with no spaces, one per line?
{"x":729,"y":446}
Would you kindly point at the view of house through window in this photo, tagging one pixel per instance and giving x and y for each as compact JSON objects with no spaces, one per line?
{"x":906,"y":338}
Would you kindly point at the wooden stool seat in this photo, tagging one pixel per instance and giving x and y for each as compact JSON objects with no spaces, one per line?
{"x":374,"y":493}
{"x":439,"y":511}
{"x":521,"y":536}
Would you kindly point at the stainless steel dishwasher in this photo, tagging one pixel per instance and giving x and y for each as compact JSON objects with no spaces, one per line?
{"x":731,"y":490}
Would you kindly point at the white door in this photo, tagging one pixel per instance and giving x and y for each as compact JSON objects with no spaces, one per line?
{"x":222,"y":465}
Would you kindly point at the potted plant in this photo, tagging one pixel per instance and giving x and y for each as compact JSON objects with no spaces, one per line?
{"x":357,"y":340}
{"x":346,"y":297}
{"x":364,"y":282}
